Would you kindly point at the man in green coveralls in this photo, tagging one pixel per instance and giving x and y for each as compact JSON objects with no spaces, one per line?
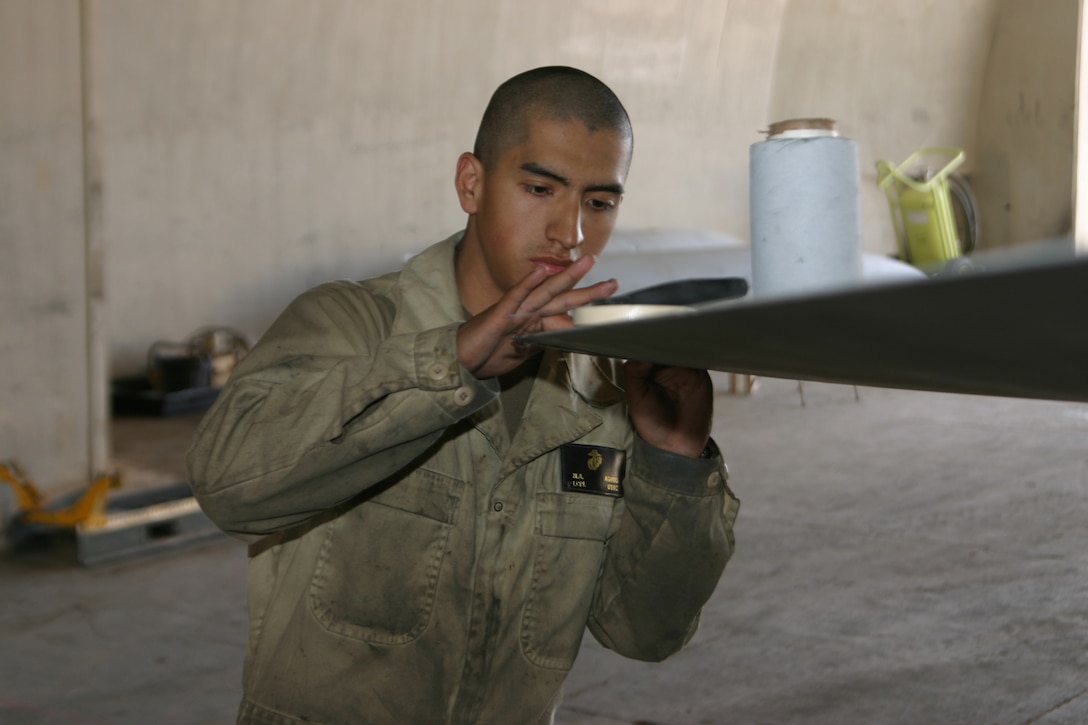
{"x":436,"y":511}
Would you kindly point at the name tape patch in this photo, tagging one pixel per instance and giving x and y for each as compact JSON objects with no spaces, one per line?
{"x":592,"y":469}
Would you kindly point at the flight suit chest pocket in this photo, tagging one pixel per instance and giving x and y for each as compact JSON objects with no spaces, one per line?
{"x":569,"y":543}
{"x":378,"y":569}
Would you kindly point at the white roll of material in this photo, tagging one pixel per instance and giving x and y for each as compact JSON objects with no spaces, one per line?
{"x":805,"y":213}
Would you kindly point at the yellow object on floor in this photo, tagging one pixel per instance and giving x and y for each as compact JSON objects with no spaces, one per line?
{"x":88,"y":508}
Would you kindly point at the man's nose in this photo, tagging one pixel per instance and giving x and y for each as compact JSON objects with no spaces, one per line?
{"x":565,"y":226}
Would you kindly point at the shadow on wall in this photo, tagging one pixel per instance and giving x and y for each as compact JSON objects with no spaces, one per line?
{"x":1023,"y":171}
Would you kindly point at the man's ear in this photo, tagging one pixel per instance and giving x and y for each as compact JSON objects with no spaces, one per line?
{"x":469,"y":181}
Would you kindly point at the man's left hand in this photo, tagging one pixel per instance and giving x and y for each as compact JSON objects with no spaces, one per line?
{"x":670,"y":407}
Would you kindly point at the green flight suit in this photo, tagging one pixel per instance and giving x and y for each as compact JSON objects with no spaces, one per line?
{"x":409,"y":562}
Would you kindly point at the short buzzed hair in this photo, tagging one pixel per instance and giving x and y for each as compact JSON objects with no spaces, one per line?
{"x":557,"y":93}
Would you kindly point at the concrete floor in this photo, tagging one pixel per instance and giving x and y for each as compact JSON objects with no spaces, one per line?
{"x":904,"y":557}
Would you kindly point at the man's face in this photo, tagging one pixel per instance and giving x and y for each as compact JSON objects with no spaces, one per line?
{"x":545,"y":202}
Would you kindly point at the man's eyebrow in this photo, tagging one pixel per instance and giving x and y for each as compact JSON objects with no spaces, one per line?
{"x":616,"y":189}
{"x":534,"y":168}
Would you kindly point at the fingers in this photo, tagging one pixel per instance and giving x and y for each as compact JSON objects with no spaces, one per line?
{"x":637,"y":369}
{"x":554,"y":294}
{"x":639,"y":375}
{"x":489,"y":343}
{"x":522,"y":349}
{"x":515,"y":298}
{"x":571,"y":299}
{"x":544,"y":286}
{"x":670,"y":407}
{"x":559,"y":305}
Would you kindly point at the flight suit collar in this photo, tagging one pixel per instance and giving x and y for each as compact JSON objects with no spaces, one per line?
{"x":428,"y":289}
{"x":569,"y":393}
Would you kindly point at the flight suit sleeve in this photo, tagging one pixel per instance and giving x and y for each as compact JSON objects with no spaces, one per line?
{"x":664,"y":561}
{"x":327,"y":404}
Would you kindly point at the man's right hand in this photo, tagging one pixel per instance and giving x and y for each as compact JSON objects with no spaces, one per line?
{"x":487,"y":345}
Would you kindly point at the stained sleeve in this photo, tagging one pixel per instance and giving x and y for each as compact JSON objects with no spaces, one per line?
{"x":664,"y":561}
{"x":326,"y":405}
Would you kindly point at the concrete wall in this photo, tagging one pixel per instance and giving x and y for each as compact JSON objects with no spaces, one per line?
{"x":45,"y":404}
{"x":240,"y":151}
{"x":896,"y":76}
{"x":252,"y":149}
{"x":1024,"y":168}
{"x":255,"y":148}
{"x":1080,"y":134}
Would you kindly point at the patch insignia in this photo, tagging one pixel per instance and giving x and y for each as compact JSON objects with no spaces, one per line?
{"x":592,"y":469}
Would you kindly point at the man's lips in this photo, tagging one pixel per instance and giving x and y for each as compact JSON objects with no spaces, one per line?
{"x":552,"y":265}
